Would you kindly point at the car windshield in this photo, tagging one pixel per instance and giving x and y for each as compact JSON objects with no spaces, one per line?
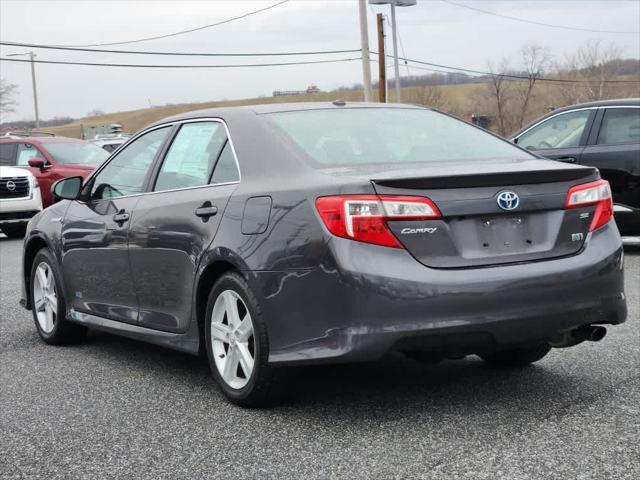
{"x":358,"y":136}
{"x":76,"y":152}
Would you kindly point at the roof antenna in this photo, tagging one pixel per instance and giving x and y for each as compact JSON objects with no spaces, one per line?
{"x":339,"y":103}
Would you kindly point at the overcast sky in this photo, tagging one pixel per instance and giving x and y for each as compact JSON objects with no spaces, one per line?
{"x":433,"y":31}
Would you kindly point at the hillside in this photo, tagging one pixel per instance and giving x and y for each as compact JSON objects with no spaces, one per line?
{"x":134,"y":120}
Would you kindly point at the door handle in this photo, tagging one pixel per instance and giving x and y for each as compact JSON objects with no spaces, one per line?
{"x":121,"y":217}
{"x":567,"y":159}
{"x":206,"y":210}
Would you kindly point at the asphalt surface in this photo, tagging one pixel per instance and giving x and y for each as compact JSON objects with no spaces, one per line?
{"x":114,"y":408}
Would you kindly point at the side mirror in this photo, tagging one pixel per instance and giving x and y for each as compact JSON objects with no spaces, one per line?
{"x":515,"y":140}
{"x":36,"y":163}
{"x":67,"y":188}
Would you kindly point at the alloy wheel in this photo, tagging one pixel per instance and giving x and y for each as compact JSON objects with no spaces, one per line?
{"x":45,"y":299}
{"x":232,"y":339}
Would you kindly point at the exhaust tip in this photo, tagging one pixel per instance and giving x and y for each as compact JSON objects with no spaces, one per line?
{"x":596,"y":334}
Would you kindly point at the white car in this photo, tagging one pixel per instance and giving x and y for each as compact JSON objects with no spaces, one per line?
{"x":19,"y":200}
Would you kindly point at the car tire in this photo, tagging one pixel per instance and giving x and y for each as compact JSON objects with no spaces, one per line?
{"x":14,"y":231}
{"x":518,"y":357}
{"x":235,"y":334}
{"x":48,"y":303}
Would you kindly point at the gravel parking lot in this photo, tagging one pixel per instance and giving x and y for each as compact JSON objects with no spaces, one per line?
{"x":114,"y":408}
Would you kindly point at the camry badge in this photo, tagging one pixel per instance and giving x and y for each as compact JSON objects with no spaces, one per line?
{"x":508,"y":200}
{"x":428,"y":230}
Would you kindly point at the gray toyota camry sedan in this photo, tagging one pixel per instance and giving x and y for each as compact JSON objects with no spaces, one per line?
{"x":278,"y":235}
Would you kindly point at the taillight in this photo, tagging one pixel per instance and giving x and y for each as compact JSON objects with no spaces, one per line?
{"x":594,"y":193}
{"x":364,"y":217}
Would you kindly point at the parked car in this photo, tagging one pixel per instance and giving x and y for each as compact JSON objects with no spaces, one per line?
{"x":20,"y":200}
{"x":605,"y":135}
{"x":110,"y":142}
{"x":50,"y":158}
{"x":296,"y":234}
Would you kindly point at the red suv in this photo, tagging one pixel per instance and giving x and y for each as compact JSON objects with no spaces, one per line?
{"x":50,"y":158}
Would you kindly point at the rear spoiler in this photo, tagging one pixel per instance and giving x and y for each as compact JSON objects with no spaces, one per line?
{"x":492,"y":179}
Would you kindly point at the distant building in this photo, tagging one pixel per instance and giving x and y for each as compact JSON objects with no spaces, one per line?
{"x":310,"y":89}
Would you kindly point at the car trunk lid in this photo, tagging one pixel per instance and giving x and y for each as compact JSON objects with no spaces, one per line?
{"x":474,"y":229}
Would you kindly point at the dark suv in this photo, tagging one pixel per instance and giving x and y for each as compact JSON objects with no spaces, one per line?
{"x":50,"y":159}
{"x":604,"y":134}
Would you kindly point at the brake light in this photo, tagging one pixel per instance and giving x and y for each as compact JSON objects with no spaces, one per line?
{"x":595,"y":193}
{"x":364,"y":217}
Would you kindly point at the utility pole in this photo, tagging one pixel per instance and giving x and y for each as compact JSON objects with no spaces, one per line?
{"x":35,"y":90}
{"x":33,"y":82}
{"x":382,"y":67}
{"x":364,"y":40}
{"x":393,"y":4}
{"x":396,"y":65}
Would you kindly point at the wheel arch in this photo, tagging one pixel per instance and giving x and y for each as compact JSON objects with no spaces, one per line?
{"x":31,"y":248}
{"x":207,"y":278}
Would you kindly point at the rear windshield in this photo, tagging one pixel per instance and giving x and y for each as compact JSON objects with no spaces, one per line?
{"x":359,"y":136}
{"x":86,"y":153}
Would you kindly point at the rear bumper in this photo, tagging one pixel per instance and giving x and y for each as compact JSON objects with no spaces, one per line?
{"x":376,"y":299}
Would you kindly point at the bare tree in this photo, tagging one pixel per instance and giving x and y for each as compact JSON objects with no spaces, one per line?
{"x":536,"y":60}
{"x":430,"y":96}
{"x":598,"y":64}
{"x":7,"y":100}
{"x":501,"y":96}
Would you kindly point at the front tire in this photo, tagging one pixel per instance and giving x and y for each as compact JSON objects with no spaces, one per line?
{"x":48,"y":303}
{"x":237,"y":344}
{"x":518,"y":357}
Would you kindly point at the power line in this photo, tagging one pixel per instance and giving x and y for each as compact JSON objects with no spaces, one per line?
{"x":158,"y":37}
{"x":130,"y":65}
{"x":533,"y":22}
{"x":186,"y":54}
{"x":505,"y":75}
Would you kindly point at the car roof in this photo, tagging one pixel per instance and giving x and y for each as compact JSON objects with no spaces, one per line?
{"x":252,"y":110}
{"x":617,"y":102}
{"x":40,"y":140}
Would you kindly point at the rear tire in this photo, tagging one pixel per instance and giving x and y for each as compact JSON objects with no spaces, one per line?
{"x":48,"y":304}
{"x":237,"y":344}
{"x":518,"y":357}
{"x":14,"y":231}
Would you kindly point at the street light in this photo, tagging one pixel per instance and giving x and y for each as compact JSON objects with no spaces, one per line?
{"x":394,"y":4}
{"x":33,"y":81}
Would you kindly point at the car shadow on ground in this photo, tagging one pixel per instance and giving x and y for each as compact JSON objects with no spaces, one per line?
{"x":388,"y":386}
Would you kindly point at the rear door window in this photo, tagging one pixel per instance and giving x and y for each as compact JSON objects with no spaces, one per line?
{"x":192,"y":156}
{"x":562,"y":131}
{"x":620,"y":126}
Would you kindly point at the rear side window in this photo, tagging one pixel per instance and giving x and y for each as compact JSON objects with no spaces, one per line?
{"x":620,"y":126}
{"x":7,"y":154}
{"x":360,"y":136}
{"x":26,"y":152}
{"x":125,"y":174}
{"x":226,"y":168}
{"x":192,"y":156}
